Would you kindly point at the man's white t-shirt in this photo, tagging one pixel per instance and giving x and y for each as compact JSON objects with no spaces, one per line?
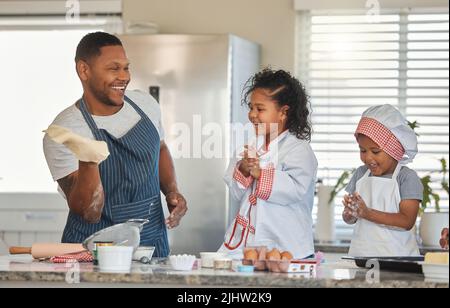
{"x":60,"y":159}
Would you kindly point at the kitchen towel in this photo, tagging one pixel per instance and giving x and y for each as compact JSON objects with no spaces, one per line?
{"x":84,"y":256}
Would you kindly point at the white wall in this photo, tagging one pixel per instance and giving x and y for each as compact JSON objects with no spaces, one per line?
{"x":361,"y":4}
{"x":270,"y":23}
{"x":23,"y":7}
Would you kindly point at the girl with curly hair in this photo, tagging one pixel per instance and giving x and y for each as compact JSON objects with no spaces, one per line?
{"x":274,"y":178}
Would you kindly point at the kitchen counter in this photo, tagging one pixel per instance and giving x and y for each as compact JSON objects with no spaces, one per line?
{"x":22,"y":271}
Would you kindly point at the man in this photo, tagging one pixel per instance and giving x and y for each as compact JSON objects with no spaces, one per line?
{"x":127,"y":184}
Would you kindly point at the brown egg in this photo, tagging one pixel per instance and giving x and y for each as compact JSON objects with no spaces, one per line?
{"x":262,"y":253}
{"x":274,"y":254}
{"x":286,"y":255}
{"x":251,"y":254}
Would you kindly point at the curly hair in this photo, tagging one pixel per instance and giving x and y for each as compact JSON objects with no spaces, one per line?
{"x":288,"y":91}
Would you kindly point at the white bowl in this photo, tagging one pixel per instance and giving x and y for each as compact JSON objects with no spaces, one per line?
{"x":435,"y":272}
{"x":209,"y":257}
{"x":144,"y":254}
{"x":115,"y":258}
{"x":182,"y":262}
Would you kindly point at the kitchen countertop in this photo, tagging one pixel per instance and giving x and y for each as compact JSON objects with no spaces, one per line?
{"x":23,"y":271}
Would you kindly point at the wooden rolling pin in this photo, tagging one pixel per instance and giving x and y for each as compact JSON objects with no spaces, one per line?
{"x":47,"y":250}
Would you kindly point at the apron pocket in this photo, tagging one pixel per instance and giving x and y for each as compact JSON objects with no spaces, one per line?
{"x":135,"y":210}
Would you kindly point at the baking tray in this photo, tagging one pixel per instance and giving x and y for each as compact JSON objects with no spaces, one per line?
{"x":395,"y":264}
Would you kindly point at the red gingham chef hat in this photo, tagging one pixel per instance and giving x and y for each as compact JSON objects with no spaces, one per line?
{"x":387,"y":127}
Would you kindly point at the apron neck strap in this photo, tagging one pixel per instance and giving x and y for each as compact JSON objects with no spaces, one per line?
{"x":90,"y":120}
{"x":397,"y":170}
{"x":87,"y":116}
{"x":394,"y":175}
{"x":136,"y":107}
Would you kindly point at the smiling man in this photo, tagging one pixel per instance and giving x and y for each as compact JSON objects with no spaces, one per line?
{"x":127,"y":184}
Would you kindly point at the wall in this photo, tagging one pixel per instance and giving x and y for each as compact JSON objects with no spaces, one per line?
{"x":361,"y":4}
{"x":270,"y":23}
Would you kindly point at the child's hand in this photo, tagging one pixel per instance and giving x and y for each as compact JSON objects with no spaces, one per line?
{"x":349,"y":214}
{"x":249,"y":165}
{"x":444,"y":238}
{"x":361,"y":208}
{"x":249,"y":156}
{"x":244,"y":168}
{"x":255,"y":169}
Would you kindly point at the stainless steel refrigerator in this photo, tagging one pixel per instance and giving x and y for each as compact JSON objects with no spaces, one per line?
{"x":197,"y":79}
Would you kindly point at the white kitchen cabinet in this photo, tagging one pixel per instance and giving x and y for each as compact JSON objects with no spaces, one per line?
{"x":26,"y":218}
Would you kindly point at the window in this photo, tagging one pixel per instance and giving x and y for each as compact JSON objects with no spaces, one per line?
{"x":348,"y":63}
{"x":39,"y":81}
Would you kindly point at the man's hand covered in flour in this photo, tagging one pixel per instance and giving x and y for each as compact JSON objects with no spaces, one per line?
{"x":249,"y":165}
{"x":177,"y":207}
{"x":84,"y":149}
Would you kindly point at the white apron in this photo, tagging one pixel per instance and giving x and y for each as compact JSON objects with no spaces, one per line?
{"x":375,"y":240}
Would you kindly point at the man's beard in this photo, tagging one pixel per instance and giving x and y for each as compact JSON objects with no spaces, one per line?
{"x":101,"y":97}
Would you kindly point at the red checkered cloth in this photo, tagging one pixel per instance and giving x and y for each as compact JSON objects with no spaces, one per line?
{"x":265,"y":183}
{"x":382,"y":136}
{"x":84,"y":256}
{"x":253,"y":200}
{"x":241,"y":179}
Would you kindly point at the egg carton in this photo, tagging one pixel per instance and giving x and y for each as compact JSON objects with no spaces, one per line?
{"x":284,"y":266}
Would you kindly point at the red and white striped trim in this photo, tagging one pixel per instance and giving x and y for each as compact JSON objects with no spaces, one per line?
{"x":241,"y":179}
{"x":251,"y":229}
{"x":242,"y":221}
{"x":382,"y":136}
{"x":265,"y":183}
{"x":253,"y":200}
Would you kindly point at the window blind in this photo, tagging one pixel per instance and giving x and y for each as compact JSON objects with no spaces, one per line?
{"x":350,"y":61}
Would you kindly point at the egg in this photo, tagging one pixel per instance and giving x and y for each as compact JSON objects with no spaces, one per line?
{"x":262,"y":253}
{"x":274,"y":254}
{"x":286,"y":255}
{"x":251,"y":254}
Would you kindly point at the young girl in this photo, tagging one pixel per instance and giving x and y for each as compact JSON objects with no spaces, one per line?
{"x":384,"y":194}
{"x":274,"y":180}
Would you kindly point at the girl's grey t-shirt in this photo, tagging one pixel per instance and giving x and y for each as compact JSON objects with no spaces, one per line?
{"x":409,"y":183}
{"x":60,"y":159}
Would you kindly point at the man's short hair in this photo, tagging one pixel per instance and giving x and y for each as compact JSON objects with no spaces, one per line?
{"x":91,"y":43}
